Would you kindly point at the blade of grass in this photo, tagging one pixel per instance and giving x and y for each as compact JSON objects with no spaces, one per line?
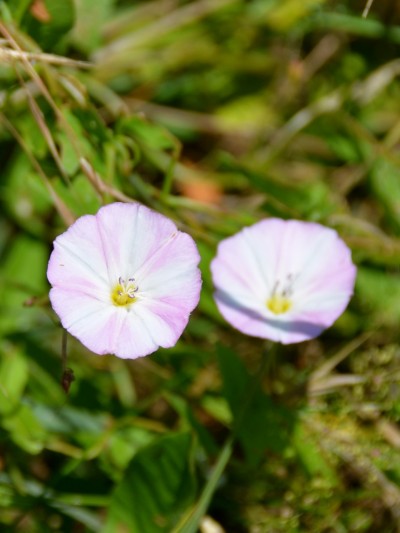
{"x":190,"y":522}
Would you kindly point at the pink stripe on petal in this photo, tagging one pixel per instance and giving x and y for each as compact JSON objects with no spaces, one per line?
{"x":236,"y":256}
{"x":78,"y":254}
{"x":176,"y":259}
{"x":130,"y":234}
{"x":135,"y":338}
{"x":71,"y":305}
{"x":166,"y":328}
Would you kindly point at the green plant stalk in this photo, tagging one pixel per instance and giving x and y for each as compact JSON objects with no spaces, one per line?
{"x":190,"y":522}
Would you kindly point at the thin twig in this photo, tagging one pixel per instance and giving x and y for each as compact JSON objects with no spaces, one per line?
{"x":15,"y":55}
{"x":67,"y":376}
{"x":99,"y":184}
{"x":183,"y":16}
{"x":38,"y":116}
{"x":64,"y":341}
{"x":367,"y":8}
{"x":42,"y":87}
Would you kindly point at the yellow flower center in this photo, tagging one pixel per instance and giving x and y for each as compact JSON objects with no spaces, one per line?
{"x":124,"y":293}
{"x":280,"y":300}
{"x":279,"y":304}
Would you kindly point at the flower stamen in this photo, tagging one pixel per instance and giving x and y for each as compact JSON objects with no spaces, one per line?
{"x":124,"y":293}
{"x":280,"y":301}
{"x":279,"y":304}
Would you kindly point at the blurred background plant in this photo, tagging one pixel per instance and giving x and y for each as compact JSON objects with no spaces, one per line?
{"x":216,"y":113}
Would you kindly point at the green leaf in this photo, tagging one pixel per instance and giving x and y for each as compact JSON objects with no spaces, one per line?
{"x":311,"y":456}
{"x":158,"y":485}
{"x":345,"y":148}
{"x":26,"y":197}
{"x":379,"y":294}
{"x":153,"y":136}
{"x":85,"y":137}
{"x":385,"y":184}
{"x":287,"y":14}
{"x":261,"y":423}
{"x":87,"y":32}
{"x":23,"y":275}
{"x":80,"y":196}
{"x":311,"y":200}
{"x":58,"y":20}
{"x":25,"y":430}
{"x":13,"y":379}
{"x":189,"y":421}
{"x":32,"y":135}
{"x":123,"y":444}
{"x":246,"y":113}
{"x":18,"y":8}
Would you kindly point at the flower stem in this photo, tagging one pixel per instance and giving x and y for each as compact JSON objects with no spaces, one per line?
{"x":67,"y":375}
{"x":64,"y":340}
{"x":190,"y":522}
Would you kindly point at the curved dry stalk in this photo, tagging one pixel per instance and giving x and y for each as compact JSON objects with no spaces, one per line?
{"x":61,"y":207}
{"x":171,"y":21}
{"x":8,"y":55}
{"x":99,"y":184}
{"x":38,"y":116}
{"x":41,"y":86}
{"x":360,"y":92}
{"x":367,"y":8}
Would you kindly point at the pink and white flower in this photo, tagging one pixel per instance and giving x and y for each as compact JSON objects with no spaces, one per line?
{"x":124,"y":281}
{"x":281,"y":280}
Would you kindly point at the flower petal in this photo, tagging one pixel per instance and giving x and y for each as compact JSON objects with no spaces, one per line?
{"x":130,"y":235}
{"x":172,"y":270}
{"x":77,"y":260}
{"x":306,"y":262}
{"x":124,"y":241}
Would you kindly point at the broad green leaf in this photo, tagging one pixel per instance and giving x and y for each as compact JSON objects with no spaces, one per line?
{"x":27,"y":198}
{"x":218,"y":408}
{"x":18,"y":8}
{"x":189,"y":421}
{"x":246,"y":114}
{"x":153,"y":136}
{"x":23,"y":276}
{"x":345,"y":148}
{"x":87,"y":32}
{"x":79,"y":196}
{"x":84,"y":138}
{"x":378,"y":293}
{"x":69,"y":420}
{"x":32,"y":135}
{"x":261,"y":424}
{"x":13,"y":379}
{"x":157,"y":486}
{"x":25,"y":429}
{"x":311,"y":456}
{"x":123,"y":444}
{"x":58,"y":17}
{"x":44,"y":367}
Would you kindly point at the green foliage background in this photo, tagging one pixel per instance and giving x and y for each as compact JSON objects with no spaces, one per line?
{"x":216,"y":113}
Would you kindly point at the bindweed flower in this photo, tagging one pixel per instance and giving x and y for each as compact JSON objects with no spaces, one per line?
{"x":281,"y":280}
{"x":124,"y":281}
